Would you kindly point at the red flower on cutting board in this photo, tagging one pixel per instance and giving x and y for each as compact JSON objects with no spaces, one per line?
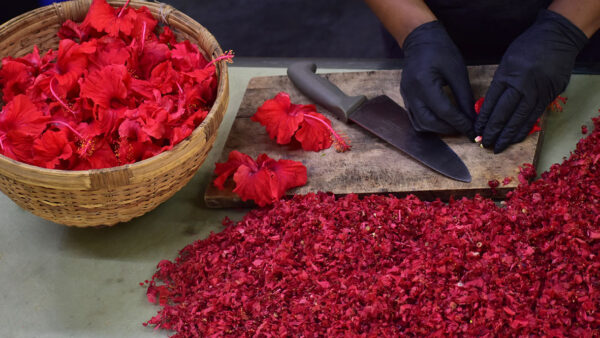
{"x":284,"y":120}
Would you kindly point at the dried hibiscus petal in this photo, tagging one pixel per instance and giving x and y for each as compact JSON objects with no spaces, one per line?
{"x":555,"y":106}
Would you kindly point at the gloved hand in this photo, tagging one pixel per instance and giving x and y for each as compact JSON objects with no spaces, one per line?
{"x":432,"y":61}
{"x":535,"y":68}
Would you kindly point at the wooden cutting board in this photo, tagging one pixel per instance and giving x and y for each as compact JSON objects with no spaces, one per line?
{"x":372,"y":166}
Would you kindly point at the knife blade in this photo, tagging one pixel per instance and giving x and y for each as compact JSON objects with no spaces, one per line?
{"x":381,"y":116}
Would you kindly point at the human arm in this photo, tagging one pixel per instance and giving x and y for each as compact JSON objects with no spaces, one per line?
{"x":431,"y":61}
{"x":585,"y":14}
{"x":400,"y":17}
{"x":534,"y":70}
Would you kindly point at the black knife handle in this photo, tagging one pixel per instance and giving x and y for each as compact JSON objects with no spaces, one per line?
{"x":323,"y":92}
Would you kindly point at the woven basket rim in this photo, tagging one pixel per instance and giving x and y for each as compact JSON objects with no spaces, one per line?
{"x":221,"y":68}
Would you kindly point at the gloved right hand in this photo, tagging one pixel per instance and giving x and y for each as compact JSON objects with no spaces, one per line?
{"x":431,"y":61}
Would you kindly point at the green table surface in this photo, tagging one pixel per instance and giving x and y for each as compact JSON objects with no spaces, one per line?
{"x":58,"y":281}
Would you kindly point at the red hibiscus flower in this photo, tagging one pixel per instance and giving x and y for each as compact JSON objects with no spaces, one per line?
{"x":264,"y":181}
{"x":145,"y":58}
{"x":72,"y":30}
{"x":96,"y":153}
{"x":20,"y":122}
{"x":283,"y":118}
{"x":314,"y":133}
{"x":186,"y":57}
{"x":52,"y":148}
{"x":15,"y":78}
{"x":109,"y":51}
{"x":226,"y":169}
{"x":104,"y":18}
{"x":22,"y":116}
{"x":72,"y":60}
{"x":107,"y":87}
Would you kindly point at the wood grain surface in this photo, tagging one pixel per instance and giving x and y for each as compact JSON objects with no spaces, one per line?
{"x":372,"y":166}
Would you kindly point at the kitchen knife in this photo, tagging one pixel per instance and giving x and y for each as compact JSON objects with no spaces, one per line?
{"x":382,"y":117}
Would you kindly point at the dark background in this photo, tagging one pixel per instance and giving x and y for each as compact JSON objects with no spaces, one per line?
{"x":338,"y":28}
{"x":281,"y":28}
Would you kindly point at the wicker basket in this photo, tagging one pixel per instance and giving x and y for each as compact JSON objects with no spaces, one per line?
{"x":107,"y":196}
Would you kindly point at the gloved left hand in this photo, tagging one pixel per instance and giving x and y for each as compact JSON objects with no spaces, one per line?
{"x":535,"y":68}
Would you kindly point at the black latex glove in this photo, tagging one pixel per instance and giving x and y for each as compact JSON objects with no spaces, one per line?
{"x":535,"y":68}
{"x":431,"y":60}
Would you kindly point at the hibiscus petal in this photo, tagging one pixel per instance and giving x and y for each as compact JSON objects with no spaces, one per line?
{"x":109,"y":51}
{"x":132,"y":131}
{"x":107,"y":86}
{"x":71,"y":30}
{"x":280,"y":117}
{"x":103,"y":18}
{"x":145,"y":60}
{"x":267,"y":181}
{"x":72,"y":61}
{"x":164,"y":77}
{"x":97,"y":154}
{"x":143,"y":17}
{"x":167,"y":36}
{"x":154,"y":119}
{"x":261,"y":185}
{"x":52,"y":147}
{"x":15,"y":78}
{"x":17,"y":146}
{"x":226,"y":169}
{"x":23,"y":116}
{"x":314,"y":134}
{"x":186,"y":57}
{"x":289,"y":174}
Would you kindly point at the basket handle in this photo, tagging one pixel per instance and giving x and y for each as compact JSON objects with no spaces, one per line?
{"x":72,"y":10}
{"x":76,"y":10}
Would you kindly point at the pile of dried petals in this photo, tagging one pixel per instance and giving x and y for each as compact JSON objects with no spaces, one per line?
{"x":115,"y":92}
{"x":317,"y":265}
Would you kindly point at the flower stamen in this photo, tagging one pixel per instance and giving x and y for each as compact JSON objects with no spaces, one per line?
{"x":59,"y":99}
{"x":227,"y":56}
{"x":122,"y":9}
{"x":143,"y":35}
{"x":69,"y":127}
{"x":340,"y":142}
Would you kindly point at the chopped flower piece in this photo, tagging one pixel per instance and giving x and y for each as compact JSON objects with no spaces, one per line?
{"x":557,"y":104}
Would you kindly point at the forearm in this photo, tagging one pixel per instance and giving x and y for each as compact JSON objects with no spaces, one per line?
{"x":400,"y":17}
{"x":584,"y":14}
